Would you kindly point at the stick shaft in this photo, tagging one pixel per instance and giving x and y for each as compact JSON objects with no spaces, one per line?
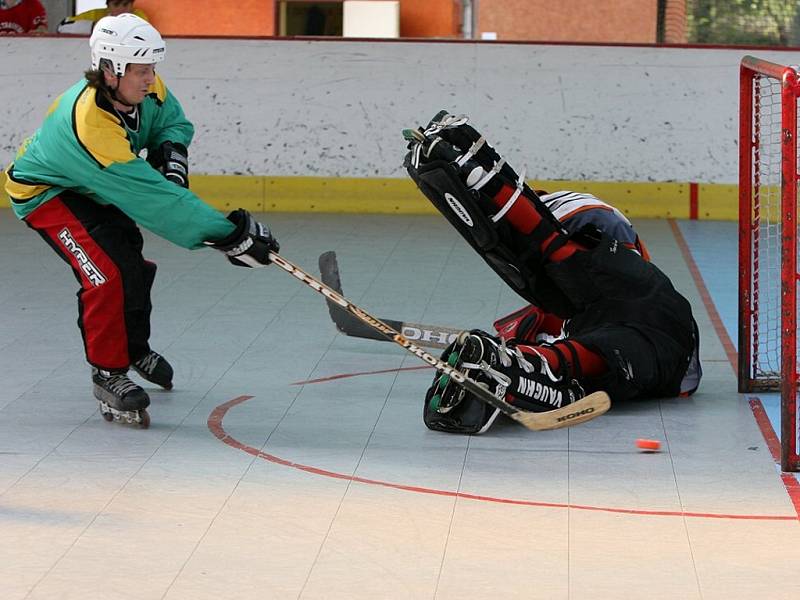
{"x":394,"y":335}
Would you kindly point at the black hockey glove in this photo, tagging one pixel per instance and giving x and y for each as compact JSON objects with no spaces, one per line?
{"x":172,"y":160}
{"x":250,"y":243}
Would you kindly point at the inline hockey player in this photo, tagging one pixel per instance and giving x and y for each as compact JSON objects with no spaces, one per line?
{"x":80,"y":183}
{"x":625,"y":329}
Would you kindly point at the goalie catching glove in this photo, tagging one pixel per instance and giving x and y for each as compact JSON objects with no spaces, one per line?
{"x":249,"y":244}
{"x":524,"y":380}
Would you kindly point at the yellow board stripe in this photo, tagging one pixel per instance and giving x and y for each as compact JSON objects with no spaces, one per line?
{"x":644,"y":200}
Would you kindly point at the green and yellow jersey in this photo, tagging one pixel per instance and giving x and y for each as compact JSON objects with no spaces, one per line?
{"x":83,"y":23}
{"x":86,"y":146}
{"x":96,"y":14}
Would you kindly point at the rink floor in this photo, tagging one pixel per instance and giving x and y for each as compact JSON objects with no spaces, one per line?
{"x":291,"y":461}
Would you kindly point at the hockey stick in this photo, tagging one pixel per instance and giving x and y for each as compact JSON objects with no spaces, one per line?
{"x":431,"y":336}
{"x":586,"y":408}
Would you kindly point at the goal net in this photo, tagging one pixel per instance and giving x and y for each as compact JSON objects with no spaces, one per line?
{"x":768,"y":278}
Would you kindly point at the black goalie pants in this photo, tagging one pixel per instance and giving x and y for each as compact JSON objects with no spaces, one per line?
{"x":103,"y":247}
{"x":628,"y":311}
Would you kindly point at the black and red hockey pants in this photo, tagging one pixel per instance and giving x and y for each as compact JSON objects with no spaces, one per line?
{"x":104,"y":248}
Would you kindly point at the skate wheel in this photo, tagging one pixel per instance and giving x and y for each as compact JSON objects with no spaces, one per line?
{"x":168,"y":386}
{"x":107,"y":416}
{"x":434,"y":402}
{"x":413,"y":135}
{"x":145,"y":419}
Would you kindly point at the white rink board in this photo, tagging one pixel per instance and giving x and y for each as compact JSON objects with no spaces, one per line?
{"x":332,"y":108}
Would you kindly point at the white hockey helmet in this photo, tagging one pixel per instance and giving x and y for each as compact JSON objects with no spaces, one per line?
{"x":126,"y":39}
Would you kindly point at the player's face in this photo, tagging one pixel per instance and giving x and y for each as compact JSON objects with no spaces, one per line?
{"x":117,"y":7}
{"x":134,"y":85}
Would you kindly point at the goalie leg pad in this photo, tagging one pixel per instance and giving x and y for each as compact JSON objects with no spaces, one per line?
{"x":442,"y":186}
{"x":523,"y":379}
{"x":514,"y":255}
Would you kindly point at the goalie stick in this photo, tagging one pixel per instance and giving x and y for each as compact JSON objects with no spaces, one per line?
{"x":430,"y":336}
{"x":582,"y":410}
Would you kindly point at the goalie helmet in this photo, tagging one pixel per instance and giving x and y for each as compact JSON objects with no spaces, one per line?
{"x":123,"y":40}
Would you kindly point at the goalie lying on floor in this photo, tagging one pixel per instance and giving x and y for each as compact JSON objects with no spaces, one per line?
{"x":623,"y":328}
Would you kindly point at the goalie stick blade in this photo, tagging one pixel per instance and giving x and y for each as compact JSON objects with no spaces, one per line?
{"x":430,"y":336}
{"x":536,"y":421}
{"x":585,"y":409}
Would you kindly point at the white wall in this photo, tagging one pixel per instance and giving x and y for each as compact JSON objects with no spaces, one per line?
{"x":320,"y":108}
{"x":370,"y":19}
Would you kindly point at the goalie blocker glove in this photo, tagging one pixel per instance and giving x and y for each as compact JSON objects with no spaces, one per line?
{"x":250,"y":243}
{"x":524,"y":380}
{"x":172,"y":160}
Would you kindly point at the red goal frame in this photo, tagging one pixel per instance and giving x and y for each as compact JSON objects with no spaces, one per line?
{"x":768,"y":132}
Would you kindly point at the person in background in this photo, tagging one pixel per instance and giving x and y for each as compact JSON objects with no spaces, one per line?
{"x":22,"y":16}
{"x":83,"y":23}
{"x":80,"y":183}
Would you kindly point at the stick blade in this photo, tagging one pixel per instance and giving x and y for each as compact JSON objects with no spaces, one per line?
{"x":329,"y":271}
{"x":585,"y":409}
{"x":345,"y":322}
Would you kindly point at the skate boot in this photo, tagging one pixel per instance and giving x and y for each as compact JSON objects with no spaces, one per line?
{"x":155,"y":369}
{"x":463,"y":145}
{"x":120,"y":399}
{"x":429,"y":148}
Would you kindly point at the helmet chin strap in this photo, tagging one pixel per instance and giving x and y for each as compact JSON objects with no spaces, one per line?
{"x":116,"y":98}
{"x":112,"y":91}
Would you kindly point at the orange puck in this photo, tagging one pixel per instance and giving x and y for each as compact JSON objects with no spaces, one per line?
{"x":651,"y":445}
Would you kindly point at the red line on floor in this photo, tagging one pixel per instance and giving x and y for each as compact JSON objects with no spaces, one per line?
{"x":790,"y":482}
{"x":705,"y":296}
{"x":773,"y":443}
{"x":215,"y":426}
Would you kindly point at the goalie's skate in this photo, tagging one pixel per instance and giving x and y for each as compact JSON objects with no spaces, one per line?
{"x":452,"y":139}
{"x":442,"y":120}
{"x":447,"y":395}
{"x":424,"y":148}
{"x":413,"y":135}
{"x":121,"y":400}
